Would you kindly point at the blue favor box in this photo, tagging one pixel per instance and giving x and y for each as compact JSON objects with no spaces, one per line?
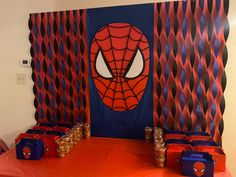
{"x":29,"y":149}
{"x":32,"y":131}
{"x":199,"y":164}
{"x":198,"y":133}
{"x":176,"y":141}
{"x":56,"y":133}
{"x":56,"y":125}
{"x":174,"y":132}
{"x":203,"y":143}
{"x":47,"y":124}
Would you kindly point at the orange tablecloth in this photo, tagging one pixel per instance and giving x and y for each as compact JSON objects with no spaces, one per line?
{"x":95,"y":157}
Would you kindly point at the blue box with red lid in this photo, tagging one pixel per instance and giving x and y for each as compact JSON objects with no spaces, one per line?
{"x":55,"y":124}
{"x":56,"y":133}
{"x":192,"y":133}
{"x":29,"y":149}
{"x":32,"y":131}
{"x":176,"y":141}
{"x":174,"y":132}
{"x":46,"y":124}
{"x":203,"y":143}
{"x":199,"y":164}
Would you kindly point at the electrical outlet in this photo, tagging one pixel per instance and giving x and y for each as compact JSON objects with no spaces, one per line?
{"x":21,"y":78}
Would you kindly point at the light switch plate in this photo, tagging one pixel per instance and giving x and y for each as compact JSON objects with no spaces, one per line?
{"x":21,"y":78}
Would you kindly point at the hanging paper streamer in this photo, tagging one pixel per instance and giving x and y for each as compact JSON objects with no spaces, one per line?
{"x":189,"y":59}
{"x":60,"y":66}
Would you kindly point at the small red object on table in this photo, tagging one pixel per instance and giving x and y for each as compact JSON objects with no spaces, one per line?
{"x":173,"y":154}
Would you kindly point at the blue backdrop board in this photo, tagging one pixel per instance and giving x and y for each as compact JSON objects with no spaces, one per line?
{"x":128,"y":123}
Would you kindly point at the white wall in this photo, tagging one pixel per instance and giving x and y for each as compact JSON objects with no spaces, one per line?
{"x":16,"y":101}
{"x":16,"y":106}
{"x":229,"y":136}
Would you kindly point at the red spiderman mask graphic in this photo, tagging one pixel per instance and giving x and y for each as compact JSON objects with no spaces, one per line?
{"x":26,"y":152}
{"x":119,"y":57}
{"x":199,"y":168}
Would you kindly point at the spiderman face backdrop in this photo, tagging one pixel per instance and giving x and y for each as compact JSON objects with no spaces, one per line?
{"x":119,"y":57}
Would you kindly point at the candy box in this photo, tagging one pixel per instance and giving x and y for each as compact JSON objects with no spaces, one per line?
{"x":29,"y":149}
{"x":32,"y":131}
{"x":174,"y":154}
{"x":50,"y":145}
{"x":55,"y":124}
{"x":56,"y":133}
{"x":174,"y":132}
{"x":175,"y":136}
{"x":64,"y":125}
{"x":203,"y":143}
{"x":199,"y":137}
{"x":47,"y":124}
{"x":199,"y":164}
{"x":26,"y":135}
{"x":198,"y":133}
{"x":43,"y":128}
{"x":217,"y":154}
{"x":61,"y":129}
{"x":176,"y":141}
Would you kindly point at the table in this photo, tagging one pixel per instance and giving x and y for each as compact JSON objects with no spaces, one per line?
{"x":94,"y":157}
